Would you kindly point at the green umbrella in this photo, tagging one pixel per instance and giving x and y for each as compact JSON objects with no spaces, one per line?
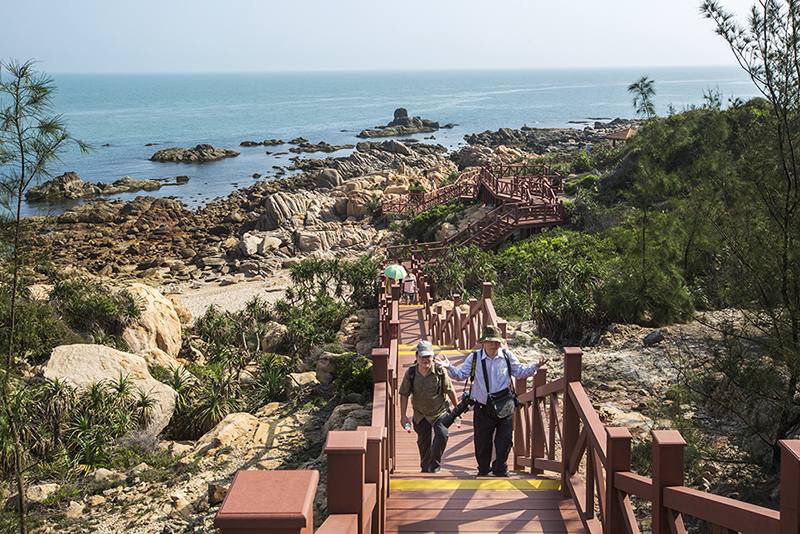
{"x":395,"y":271}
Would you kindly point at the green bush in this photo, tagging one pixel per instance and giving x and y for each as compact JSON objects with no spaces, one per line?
{"x":38,"y":329}
{"x":354,"y":374}
{"x":93,"y":309}
{"x":423,"y":227}
{"x":272,"y":369}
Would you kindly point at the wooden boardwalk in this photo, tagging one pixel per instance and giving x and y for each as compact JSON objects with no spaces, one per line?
{"x":455,"y":500}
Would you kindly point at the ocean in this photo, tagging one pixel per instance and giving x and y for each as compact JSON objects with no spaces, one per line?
{"x":128,"y":117}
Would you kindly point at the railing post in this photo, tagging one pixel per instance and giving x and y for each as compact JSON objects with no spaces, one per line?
{"x":346,"y":453}
{"x":668,"y":448}
{"x":537,"y":423}
{"x":475,"y":326}
{"x":572,"y":373}
{"x":278,"y":502}
{"x":375,"y":473}
{"x":458,"y":334}
{"x":522,"y":434}
{"x":380,"y":364}
{"x":790,"y":486}
{"x":619,"y":459}
{"x":394,"y":319}
{"x":487,"y":291}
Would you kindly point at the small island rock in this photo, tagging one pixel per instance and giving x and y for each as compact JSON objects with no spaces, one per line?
{"x":69,"y":186}
{"x":198,"y":154}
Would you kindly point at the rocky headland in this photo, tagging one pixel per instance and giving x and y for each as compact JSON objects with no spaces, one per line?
{"x":261,"y":229}
{"x":551,"y":140}
{"x":254,"y":231}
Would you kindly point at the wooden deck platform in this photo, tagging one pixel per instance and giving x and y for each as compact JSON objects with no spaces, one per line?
{"x":456,"y":500}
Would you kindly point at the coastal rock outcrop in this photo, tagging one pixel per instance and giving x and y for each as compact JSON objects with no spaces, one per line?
{"x":322,"y":146}
{"x":401,"y":125}
{"x":159,"y":240}
{"x":545,"y":140}
{"x":198,"y":154}
{"x":70,"y":187}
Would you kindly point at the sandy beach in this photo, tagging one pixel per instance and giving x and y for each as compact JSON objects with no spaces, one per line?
{"x":198,"y":296}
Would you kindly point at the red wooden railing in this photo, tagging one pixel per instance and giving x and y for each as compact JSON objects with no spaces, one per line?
{"x":463,"y":186}
{"x":523,"y":202}
{"x":594,"y":464}
{"x":518,"y":182}
{"x":596,"y":460}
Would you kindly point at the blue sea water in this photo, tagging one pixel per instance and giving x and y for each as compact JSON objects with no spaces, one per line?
{"x":128,"y":117}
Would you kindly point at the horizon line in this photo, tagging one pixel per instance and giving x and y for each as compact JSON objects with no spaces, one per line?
{"x":395,"y":71}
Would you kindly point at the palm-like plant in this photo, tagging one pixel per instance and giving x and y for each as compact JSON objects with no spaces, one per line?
{"x":269,"y":387}
{"x":56,"y":399}
{"x":218,"y":397}
{"x":643,"y":91}
{"x":121,"y":390}
{"x":145,"y":406}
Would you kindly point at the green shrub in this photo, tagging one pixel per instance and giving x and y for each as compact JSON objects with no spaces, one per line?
{"x":38,"y":329}
{"x":354,"y":374}
{"x":93,"y":309}
{"x":272,"y":369}
{"x":66,"y":428}
{"x":422,"y":227}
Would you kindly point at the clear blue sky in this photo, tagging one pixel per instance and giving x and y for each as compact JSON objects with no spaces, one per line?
{"x":266,"y":35}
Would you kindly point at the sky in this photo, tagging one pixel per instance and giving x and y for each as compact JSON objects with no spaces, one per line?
{"x":346,"y":35}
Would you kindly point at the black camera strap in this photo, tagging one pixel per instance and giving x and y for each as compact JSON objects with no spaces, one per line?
{"x":471,"y":378}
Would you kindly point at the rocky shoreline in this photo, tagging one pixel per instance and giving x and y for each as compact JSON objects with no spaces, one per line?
{"x":259,"y":230}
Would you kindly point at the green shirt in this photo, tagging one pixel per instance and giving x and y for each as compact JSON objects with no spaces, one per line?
{"x":427,"y":400}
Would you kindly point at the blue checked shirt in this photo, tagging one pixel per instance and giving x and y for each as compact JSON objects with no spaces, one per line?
{"x":497,"y":369}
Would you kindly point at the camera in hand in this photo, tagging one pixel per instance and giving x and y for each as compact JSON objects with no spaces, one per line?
{"x":466,"y":401}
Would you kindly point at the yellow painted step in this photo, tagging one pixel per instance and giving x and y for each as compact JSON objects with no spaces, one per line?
{"x":475,"y":484}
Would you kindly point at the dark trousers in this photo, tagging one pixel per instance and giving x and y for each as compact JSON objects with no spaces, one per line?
{"x":431,"y":441}
{"x":488,"y":429}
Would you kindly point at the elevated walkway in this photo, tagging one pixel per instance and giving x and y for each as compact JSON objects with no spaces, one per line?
{"x":456,"y":500}
{"x":571,"y":474}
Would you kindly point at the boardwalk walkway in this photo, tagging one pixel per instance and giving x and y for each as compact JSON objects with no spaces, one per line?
{"x":455,"y":500}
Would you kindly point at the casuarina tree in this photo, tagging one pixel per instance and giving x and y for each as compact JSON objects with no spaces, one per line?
{"x":32,"y":139}
{"x":760,"y":369}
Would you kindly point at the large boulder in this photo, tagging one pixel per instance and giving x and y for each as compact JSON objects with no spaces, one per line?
{"x":83,"y":365}
{"x":328,"y":179}
{"x":282,"y":206}
{"x":158,"y":325}
{"x":68,"y":185}
{"x":347,"y":417}
{"x":236,"y":429}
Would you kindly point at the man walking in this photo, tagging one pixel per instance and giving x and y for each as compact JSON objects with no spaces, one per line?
{"x":493,"y":371}
{"x":410,"y":288}
{"x":429,"y":388}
